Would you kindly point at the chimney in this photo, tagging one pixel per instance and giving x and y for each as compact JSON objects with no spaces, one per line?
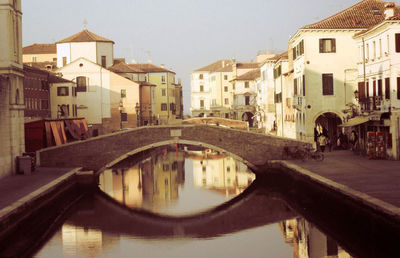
{"x":223,"y":63}
{"x":162,"y":65}
{"x":389,"y":10}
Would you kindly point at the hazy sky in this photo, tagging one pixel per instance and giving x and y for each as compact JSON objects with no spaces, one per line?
{"x":182,"y":34}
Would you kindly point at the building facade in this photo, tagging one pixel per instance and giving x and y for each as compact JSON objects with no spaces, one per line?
{"x":11,"y":86}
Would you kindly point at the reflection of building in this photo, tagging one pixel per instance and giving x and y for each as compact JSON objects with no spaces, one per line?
{"x":220,"y":172}
{"x":308,"y":241}
{"x":148,"y":183}
{"x":80,"y":241}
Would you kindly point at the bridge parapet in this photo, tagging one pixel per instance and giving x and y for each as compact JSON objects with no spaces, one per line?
{"x":254,"y":148}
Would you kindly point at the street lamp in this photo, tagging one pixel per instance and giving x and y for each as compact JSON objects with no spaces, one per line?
{"x":120,"y":108}
{"x":356,"y":94}
{"x":137,"y":109}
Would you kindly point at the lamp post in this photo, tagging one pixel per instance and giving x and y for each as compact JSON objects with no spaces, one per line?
{"x":120,"y":108}
{"x":137,"y":109}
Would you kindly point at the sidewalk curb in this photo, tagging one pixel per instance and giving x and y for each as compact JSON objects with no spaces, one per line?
{"x":26,"y":205}
{"x":358,"y":196}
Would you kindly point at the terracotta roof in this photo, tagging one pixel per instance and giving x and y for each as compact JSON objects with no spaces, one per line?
{"x":57,"y":79}
{"x":43,"y":65}
{"x":225,"y":69}
{"x":40,"y":49}
{"x":215,"y":66}
{"x":250,"y":65}
{"x":124,"y":68}
{"x":150,"y":68}
{"x":362,"y":15}
{"x":249,"y":76}
{"x":85,"y":36}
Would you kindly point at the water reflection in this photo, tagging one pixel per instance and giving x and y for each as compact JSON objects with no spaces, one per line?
{"x":308,"y":241}
{"x":158,"y":181}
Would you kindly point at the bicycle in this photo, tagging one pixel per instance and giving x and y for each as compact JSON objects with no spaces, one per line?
{"x":311,"y":154}
{"x":292,"y":152}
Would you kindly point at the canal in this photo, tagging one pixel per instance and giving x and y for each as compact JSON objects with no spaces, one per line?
{"x":182,"y":201}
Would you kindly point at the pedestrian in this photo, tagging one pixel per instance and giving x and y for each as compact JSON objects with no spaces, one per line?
{"x":323,"y":140}
{"x":353,"y":140}
{"x":316,"y":135}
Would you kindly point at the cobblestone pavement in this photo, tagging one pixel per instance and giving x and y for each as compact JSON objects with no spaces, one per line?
{"x":377,"y":178}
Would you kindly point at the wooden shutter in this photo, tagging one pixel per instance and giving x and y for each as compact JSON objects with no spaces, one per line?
{"x":398,"y":87}
{"x":397,"y":38}
{"x":374,"y":88}
{"x":361,"y":90}
{"x":321,"y":45}
{"x":295,"y":87}
{"x":304,"y":85}
{"x":327,"y":84}
{"x":333,"y":42}
{"x":380,"y":93}
{"x":387,"y":88}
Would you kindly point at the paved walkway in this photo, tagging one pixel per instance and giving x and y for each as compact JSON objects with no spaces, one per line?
{"x":15,"y":187}
{"x":377,"y":178}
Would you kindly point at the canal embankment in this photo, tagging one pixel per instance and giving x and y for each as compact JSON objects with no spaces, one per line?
{"x":30,"y":204}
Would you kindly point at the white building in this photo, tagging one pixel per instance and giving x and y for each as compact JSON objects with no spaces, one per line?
{"x":106,"y":99}
{"x":324,"y":61}
{"x":379,"y":97}
{"x":86,"y":44}
{"x":11,"y":86}
{"x":62,"y":98}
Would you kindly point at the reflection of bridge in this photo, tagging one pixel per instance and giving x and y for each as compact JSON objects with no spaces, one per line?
{"x":254,"y":207}
{"x":95,"y":153}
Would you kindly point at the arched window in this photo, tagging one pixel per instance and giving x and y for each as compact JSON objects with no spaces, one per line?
{"x":17,"y":96}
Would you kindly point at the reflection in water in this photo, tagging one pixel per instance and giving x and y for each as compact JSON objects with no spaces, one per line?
{"x":157,"y":183}
{"x":256,"y":223}
{"x":308,"y":241}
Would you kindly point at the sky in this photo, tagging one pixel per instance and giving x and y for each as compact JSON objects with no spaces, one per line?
{"x":184,"y":35}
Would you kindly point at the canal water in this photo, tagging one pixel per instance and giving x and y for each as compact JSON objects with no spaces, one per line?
{"x":185,"y":202}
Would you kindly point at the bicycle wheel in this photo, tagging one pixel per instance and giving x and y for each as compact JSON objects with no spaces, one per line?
{"x":318,"y":156}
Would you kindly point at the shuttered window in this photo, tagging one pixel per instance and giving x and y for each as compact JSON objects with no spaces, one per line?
{"x":327,"y":84}
{"x":380,"y":93}
{"x":397,"y":38}
{"x":295,"y":87}
{"x":304,"y":85}
{"x":361,"y":90}
{"x":327,"y":45}
{"x":387,"y":88}
{"x":398,"y":87}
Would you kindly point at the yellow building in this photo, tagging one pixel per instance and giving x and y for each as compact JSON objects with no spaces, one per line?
{"x":42,"y":56}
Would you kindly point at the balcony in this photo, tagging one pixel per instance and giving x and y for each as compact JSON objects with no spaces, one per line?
{"x":297,"y":102}
{"x":370,"y":103}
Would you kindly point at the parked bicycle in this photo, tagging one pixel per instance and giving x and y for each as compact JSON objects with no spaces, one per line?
{"x":311,"y":154}
{"x":295,"y":152}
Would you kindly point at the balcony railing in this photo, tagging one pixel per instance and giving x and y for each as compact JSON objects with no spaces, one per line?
{"x":370,"y":103}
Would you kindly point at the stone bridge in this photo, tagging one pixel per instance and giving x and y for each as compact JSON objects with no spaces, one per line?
{"x":256,"y":206}
{"x":254,"y":149}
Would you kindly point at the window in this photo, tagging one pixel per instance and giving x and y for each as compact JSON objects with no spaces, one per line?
{"x":388,"y":44}
{"x":304,"y":85}
{"x":380,"y":93}
{"x":397,"y":38}
{"x":277,"y":72}
{"x":295,"y":87}
{"x":162,"y":78}
{"x":247,"y":100}
{"x":201,"y":103}
{"x":398,"y":87}
{"x":201,"y":76}
{"x":246,"y":84}
{"x":34,"y":59}
{"x":367,"y":52}
{"x":62,"y":91}
{"x":123,"y":93}
{"x":278,"y":97}
{"x":44,"y":104}
{"x":201,"y":88}
{"x":124,"y":117}
{"x":64,"y":60}
{"x":373,"y":50}
{"x":380,"y":47}
{"x":74,"y":91}
{"x":45,"y":85}
{"x":226,"y":101}
{"x":374,"y":88}
{"x":228,"y":169}
{"x":327,"y":45}
{"x":163,"y":106}
{"x":225,"y":77}
{"x":327,"y":84}
{"x":104,"y":61}
{"x":163,"y":92}
{"x":387,"y":88}
{"x":54,"y":59}
{"x":81,"y":84}
{"x":226,"y":89}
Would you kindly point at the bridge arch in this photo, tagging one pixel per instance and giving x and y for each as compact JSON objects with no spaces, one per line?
{"x":255,"y":149}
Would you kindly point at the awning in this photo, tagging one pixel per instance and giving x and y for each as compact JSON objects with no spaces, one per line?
{"x":355,"y":121}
